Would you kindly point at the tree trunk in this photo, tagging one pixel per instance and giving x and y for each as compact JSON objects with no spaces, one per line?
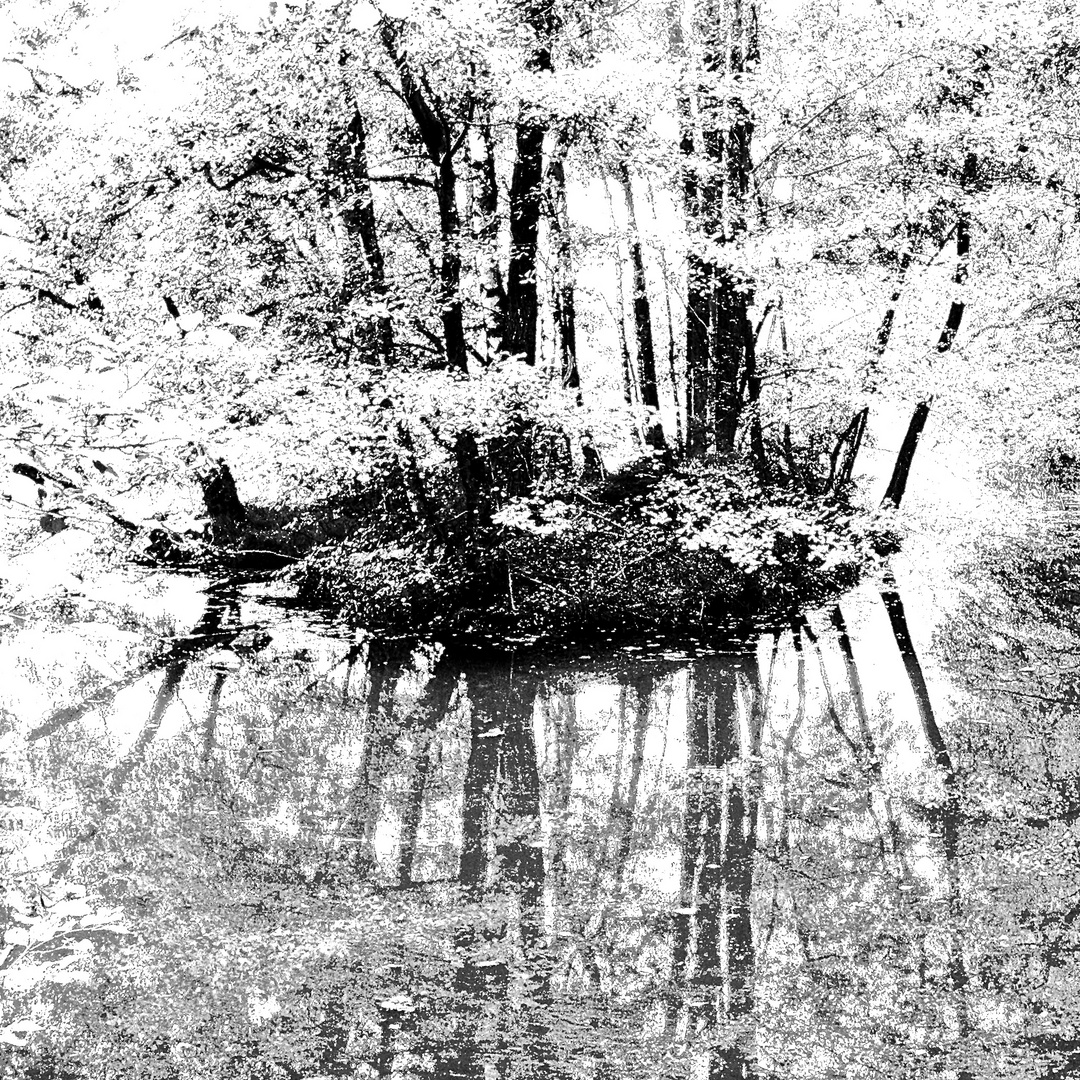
{"x":672,"y":377}
{"x":441,"y":145}
{"x":364,"y":272}
{"x":643,"y":331}
{"x":629,"y":383}
{"x":485,"y":230}
{"x":525,"y":194}
{"x":963,"y":248}
{"x":223,"y":506}
{"x":450,"y":265}
{"x":428,"y":713}
{"x":848,"y":445}
{"x":719,"y":343}
{"x":898,"y":483}
{"x":475,"y":485}
{"x":522,"y":305}
{"x":562,"y":289}
{"x":716,"y":946}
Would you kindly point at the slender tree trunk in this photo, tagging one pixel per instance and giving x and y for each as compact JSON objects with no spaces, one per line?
{"x":643,"y":329}
{"x":673,"y":380}
{"x":485,"y":230}
{"x":450,"y":265}
{"x":846,"y":451}
{"x":522,"y":305}
{"x":430,"y":710}
{"x":365,"y":271}
{"x":947,"y":814}
{"x":441,"y":145}
{"x":719,"y":352}
{"x":884,"y":333}
{"x":629,"y":382}
{"x":699,"y":274}
{"x":904,"y":459}
{"x":963,"y":249}
{"x":718,"y":862}
{"x":902,"y":635}
{"x":562,"y":288}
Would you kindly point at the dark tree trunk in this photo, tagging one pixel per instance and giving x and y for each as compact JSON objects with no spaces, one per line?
{"x":562,"y":286}
{"x":671,"y":349}
{"x":846,"y":451}
{"x":511,"y":460}
{"x":485,"y":229}
{"x":223,"y":506}
{"x":475,"y":484}
{"x":947,"y":813}
{"x":423,"y":509}
{"x":450,"y":265}
{"x":441,"y":146}
{"x":884,"y":333}
{"x":430,"y":710}
{"x":902,"y":635}
{"x":522,"y":304}
{"x":629,"y":381}
{"x":643,"y":329}
{"x":365,"y":271}
{"x":718,"y":861}
{"x":898,"y":483}
{"x":963,"y":249}
{"x":719,"y":343}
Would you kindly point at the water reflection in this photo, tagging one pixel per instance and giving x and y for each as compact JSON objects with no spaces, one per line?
{"x":343,"y":860}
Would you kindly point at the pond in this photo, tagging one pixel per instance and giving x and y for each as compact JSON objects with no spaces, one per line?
{"x":845,"y":847}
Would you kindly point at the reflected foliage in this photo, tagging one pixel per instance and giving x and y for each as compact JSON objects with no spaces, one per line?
{"x":795,"y":856}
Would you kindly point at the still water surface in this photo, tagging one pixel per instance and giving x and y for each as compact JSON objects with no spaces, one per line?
{"x":844,"y":848}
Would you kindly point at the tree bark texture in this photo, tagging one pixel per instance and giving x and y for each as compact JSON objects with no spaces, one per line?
{"x":365,"y":269}
{"x":522,"y":304}
{"x":485,"y":230}
{"x":714,"y":948}
{"x":643,"y":328}
{"x":441,"y":146}
{"x":562,"y":287}
{"x":901,"y":470}
{"x":719,"y":341}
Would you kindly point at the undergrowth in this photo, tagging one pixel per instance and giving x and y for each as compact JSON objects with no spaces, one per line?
{"x":651,"y":549}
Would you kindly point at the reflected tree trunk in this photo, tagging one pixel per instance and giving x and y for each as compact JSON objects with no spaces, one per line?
{"x":713,"y":949}
{"x":877,"y":798}
{"x":206,"y":631}
{"x":422,"y":724}
{"x":165,"y":696}
{"x":626,"y":808}
{"x":946,"y":816}
{"x":380,"y":733}
{"x":213,"y":707}
{"x":500,"y":856}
